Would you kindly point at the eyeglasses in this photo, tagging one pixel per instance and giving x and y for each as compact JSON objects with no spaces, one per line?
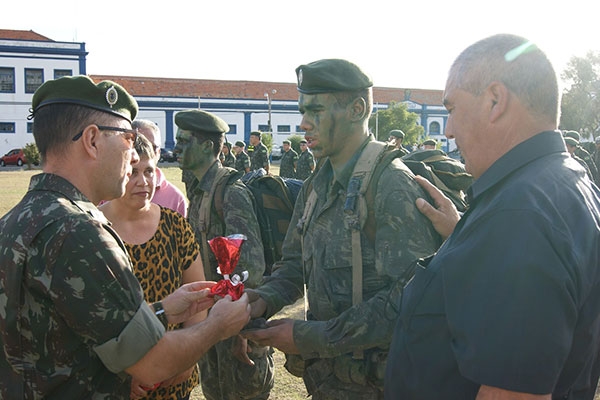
{"x":130,"y":135}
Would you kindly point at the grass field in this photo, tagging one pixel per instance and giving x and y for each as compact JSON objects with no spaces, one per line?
{"x":14,"y":185}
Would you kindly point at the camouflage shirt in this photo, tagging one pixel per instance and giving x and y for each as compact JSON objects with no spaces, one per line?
{"x":260,"y":157}
{"x":306,"y":164}
{"x":242,"y":161}
{"x":402,"y":235}
{"x":229,"y":160}
{"x":589,"y":161}
{"x":288,"y":160}
{"x":71,"y":310}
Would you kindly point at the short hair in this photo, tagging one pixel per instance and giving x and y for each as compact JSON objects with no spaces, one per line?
{"x":256,"y":133}
{"x":55,"y":125}
{"x":144,"y":147}
{"x":515,"y":62}
{"x":147,"y":124}
{"x":216,"y":138}
{"x":347,"y":97}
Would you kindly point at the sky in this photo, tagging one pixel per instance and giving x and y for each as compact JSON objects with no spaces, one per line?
{"x":402,"y":44}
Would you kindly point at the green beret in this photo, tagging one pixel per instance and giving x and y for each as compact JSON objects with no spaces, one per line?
{"x":303,"y":141}
{"x":333,"y":75}
{"x":571,"y":142}
{"x":430,"y":142}
{"x":286,"y":142}
{"x":106,"y":96}
{"x":228,"y":145}
{"x":572,"y":134}
{"x":200,"y":121}
{"x":397,"y":133}
{"x":240,"y":144}
{"x":256,"y":133}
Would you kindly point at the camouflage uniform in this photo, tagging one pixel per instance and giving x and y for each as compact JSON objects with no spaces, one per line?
{"x":306,"y":161}
{"x":242,"y":161}
{"x":222,"y":375}
{"x":589,"y":161}
{"x":67,"y":293}
{"x":229,"y":160}
{"x":288,"y":159}
{"x":335,"y":328}
{"x":260,"y":157}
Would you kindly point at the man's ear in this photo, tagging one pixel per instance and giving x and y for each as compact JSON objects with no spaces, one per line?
{"x":89,"y":141}
{"x":497,"y":96}
{"x":358,"y":109}
{"x":207,"y":146}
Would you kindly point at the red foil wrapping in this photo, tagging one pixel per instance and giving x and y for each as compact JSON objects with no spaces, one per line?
{"x":227,"y":252}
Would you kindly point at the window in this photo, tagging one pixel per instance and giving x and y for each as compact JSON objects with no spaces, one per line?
{"x":434,"y":128}
{"x":283,"y":128}
{"x":298,"y":129}
{"x":263,"y":128}
{"x":7,"y":80}
{"x":33,"y":79}
{"x":7,"y":127}
{"x":232,"y":130}
{"x":59,"y":73}
{"x":30,"y":127}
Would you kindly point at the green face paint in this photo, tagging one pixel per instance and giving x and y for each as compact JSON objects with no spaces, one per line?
{"x":189,"y":152}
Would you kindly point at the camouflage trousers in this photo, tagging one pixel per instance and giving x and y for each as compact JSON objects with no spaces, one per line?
{"x":224,"y":377}
{"x":337,"y":379}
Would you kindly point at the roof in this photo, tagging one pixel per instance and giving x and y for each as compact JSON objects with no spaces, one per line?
{"x":207,"y":88}
{"x":22,"y":35}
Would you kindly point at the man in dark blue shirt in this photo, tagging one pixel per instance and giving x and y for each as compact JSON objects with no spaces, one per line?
{"x":509,"y":307}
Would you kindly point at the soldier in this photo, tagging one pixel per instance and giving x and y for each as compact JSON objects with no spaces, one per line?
{"x":166,"y":194}
{"x":430,"y":144}
{"x":73,"y":318}
{"x":583,"y":154}
{"x":229,"y":160}
{"x":396,"y":139}
{"x":289,"y":161}
{"x":199,"y":140}
{"x":260,"y":154}
{"x":242,"y":161}
{"x":306,"y":162}
{"x":336,"y":101}
{"x":572,"y":145}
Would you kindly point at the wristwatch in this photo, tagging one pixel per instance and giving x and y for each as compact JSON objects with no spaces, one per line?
{"x":159,"y":311}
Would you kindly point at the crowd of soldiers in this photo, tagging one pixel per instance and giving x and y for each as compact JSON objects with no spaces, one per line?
{"x":405,"y":297}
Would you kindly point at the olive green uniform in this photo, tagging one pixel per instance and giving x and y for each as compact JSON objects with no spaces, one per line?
{"x":306,"y":164}
{"x":260,"y":157}
{"x":287,"y":167}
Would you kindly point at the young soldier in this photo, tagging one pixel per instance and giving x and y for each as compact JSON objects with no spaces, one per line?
{"x":229,"y":159}
{"x":260,"y":155}
{"x":289,"y":160}
{"x":306,"y":162}
{"x":242,"y":160}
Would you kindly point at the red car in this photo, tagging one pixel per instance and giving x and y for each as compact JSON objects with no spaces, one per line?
{"x":14,"y":156}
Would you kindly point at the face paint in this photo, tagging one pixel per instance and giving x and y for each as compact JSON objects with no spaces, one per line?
{"x":189,"y":152}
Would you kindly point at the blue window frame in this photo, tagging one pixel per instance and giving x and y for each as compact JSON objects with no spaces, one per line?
{"x":30,"y":127}
{"x":232,"y":130}
{"x":434,"y":128}
{"x":298,"y":129}
{"x":283,"y":129}
{"x":7,"y":127}
{"x":34,"y":77}
{"x":59,"y":73}
{"x":7,"y":80}
{"x":263,"y":128}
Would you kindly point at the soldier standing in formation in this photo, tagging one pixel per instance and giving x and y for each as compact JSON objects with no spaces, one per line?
{"x":289,"y":161}
{"x":242,"y":160}
{"x":583,"y":154}
{"x":336,"y":102}
{"x":260,"y":155}
{"x":229,"y":160}
{"x":396,"y":139}
{"x":306,"y":162}
{"x":199,"y":141}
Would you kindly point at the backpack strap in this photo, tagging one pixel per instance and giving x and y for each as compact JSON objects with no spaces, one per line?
{"x":356,"y":213}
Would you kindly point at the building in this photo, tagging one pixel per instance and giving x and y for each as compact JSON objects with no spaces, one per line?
{"x":27,"y":59}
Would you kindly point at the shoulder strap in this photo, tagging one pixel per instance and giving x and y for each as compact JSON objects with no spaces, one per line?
{"x":434,"y":158}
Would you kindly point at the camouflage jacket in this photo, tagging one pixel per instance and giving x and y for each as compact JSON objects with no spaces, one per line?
{"x":288,"y":160}
{"x":260,"y":157}
{"x":589,"y":161}
{"x":67,"y":292}
{"x":240,"y":217}
{"x":306,"y":163}
{"x":242,"y":161}
{"x":229,"y":160}
{"x":402,"y":235}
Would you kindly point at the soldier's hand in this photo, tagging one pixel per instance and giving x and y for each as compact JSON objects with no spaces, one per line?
{"x":258,"y":305}
{"x":240,"y":350}
{"x":279,"y":334}
{"x":187,"y":301}
{"x":137,"y":389}
{"x":230,"y":316}
{"x":444,"y":216}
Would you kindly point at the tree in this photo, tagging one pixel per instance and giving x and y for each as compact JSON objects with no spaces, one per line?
{"x":295,"y":142}
{"x":267,"y":140}
{"x":580,"y":109}
{"x":396,"y":116}
{"x":32,"y":155}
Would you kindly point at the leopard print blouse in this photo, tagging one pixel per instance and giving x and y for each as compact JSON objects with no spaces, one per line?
{"x":159,"y":264}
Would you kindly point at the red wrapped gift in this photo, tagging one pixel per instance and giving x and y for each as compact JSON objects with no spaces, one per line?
{"x":227,"y":252}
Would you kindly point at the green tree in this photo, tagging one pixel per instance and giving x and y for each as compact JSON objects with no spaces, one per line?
{"x":295,"y":142}
{"x":396,"y":116}
{"x":580,"y":109}
{"x":32,"y":155}
{"x":267,"y":139}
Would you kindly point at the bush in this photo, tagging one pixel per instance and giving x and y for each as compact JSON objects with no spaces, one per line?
{"x":295,"y":142}
{"x":32,"y":155}
{"x":267,"y":140}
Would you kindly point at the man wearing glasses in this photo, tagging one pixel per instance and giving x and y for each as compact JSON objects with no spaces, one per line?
{"x":73,"y":320}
